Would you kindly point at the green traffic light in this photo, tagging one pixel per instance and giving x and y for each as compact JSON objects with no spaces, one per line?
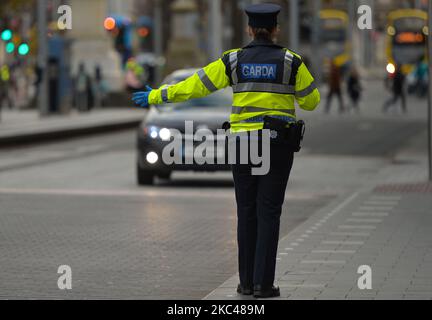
{"x":6,"y":35}
{"x":10,"y":47}
{"x":23,"y":49}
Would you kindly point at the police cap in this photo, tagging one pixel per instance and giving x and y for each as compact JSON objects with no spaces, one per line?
{"x":263,"y":15}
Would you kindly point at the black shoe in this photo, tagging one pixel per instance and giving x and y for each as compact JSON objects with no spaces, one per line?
{"x":246,"y":291}
{"x":272,"y":292}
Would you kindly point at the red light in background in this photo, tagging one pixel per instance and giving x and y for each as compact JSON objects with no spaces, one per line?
{"x":109,"y":24}
{"x":143,"y":32}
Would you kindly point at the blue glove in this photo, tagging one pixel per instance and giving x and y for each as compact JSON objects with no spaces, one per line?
{"x":141,"y":98}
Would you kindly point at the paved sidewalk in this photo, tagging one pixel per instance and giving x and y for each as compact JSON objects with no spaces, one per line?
{"x":390,"y":232}
{"x":386,"y":224}
{"x":27,"y":126}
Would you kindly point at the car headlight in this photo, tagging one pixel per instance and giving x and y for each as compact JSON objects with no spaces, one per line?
{"x":165,"y":134}
{"x":391,"y":68}
{"x":154,"y":132}
{"x":152,"y":157}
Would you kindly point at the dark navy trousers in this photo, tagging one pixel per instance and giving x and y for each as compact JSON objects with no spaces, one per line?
{"x":259,"y":206}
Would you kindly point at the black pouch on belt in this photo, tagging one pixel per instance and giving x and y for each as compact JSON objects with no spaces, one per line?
{"x":295,"y":135}
{"x":290,"y":134}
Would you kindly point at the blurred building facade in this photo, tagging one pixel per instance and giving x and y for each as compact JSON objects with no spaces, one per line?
{"x":184,"y":39}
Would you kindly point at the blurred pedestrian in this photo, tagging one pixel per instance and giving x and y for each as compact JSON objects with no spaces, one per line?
{"x":5,"y":97}
{"x":397,"y":90}
{"x":99,"y":87}
{"x":335,"y":84}
{"x":422,"y":77}
{"x":83,"y":89}
{"x":12,"y":86}
{"x":37,"y":82}
{"x":354,"y":88}
{"x":3,"y":94}
{"x":53,"y":85}
{"x":136,"y":76}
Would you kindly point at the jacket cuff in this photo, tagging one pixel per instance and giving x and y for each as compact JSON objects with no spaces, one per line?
{"x":155,"y":97}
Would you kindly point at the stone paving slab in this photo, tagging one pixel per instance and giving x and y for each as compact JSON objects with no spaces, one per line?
{"x":316,"y":261}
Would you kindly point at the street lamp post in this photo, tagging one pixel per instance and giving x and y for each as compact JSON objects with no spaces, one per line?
{"x":215,"y":30}
{"x":42,"y":56}
{"x":352,"y":5}
{"x":316,"y":50}
{"x":430,"y":91}
{"x":294,"y":24}
{"x":158,"y":38}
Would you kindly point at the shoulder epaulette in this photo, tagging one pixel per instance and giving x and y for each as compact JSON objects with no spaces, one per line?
{"x":294,"y":53}
{"x":232,"y":50}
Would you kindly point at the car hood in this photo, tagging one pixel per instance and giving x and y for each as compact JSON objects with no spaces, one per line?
{"x":207,"y":117}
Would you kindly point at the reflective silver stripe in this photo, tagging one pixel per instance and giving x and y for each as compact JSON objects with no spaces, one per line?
{"x":287,"y":67}
{"x":240,"y":110}
{"x":233,"y":62}
{"x":263,"y":87}
{"x":306,"y":91}
{"x":164,"y":93}
{"x":206,"y":81}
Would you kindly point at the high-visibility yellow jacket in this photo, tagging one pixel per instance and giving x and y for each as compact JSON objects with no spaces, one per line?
{"x":266,"y":80}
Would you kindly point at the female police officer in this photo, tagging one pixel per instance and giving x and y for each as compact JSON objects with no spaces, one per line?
{"x":267,"y":80}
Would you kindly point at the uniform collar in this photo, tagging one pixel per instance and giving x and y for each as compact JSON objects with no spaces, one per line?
{"x":259,"y":42}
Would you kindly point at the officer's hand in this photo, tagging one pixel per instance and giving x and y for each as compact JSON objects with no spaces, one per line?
{"x":141,"y":97}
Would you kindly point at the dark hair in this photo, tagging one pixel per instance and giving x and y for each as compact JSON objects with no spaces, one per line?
{"x":263,"y":33}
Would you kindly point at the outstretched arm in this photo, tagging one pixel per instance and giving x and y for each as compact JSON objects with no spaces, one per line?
{"x":204,"y":82}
